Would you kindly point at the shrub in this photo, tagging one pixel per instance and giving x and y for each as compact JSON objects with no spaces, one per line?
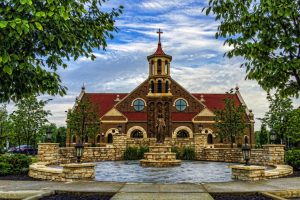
{"x":176,"y":150}
{"x":5,"y":168}
{"x":131,"y":153}
{"x":292,"y":157}
{"x":19,"y":163}
{"x":188,"y":153}
{"x":141,"y":151}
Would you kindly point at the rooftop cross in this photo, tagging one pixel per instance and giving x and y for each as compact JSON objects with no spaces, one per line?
{"x":159,"y":32}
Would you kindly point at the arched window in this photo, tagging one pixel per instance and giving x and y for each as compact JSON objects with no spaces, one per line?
{"x":138,"y":105}
{"x":159,"y":86}
{"x":180,"y":105}
{"x":159,"y":66}
{"x":246,"y":140}
{"x":182,"y":134}
{"x":166,"y":67}
{"x":167,"y":86}
{"x":98,"y":139}
{"x":152,"y":67}
{"x":73,"y":139}
{"x":86,"y":139}
{"x":210,"y":139}
{"x":109,"y":138}
{"x":152,"y":86}
{"x":137,"y":134}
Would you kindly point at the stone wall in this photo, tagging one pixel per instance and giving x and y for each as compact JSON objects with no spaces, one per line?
{"x":68,"y":172}
{"x":48,"y":152}
{"x":255,"y":173}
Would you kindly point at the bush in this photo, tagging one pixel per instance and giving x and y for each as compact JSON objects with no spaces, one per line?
{"x":18,"y":163}
{"x":141,"y":151}
{"x":176,"y":150}
{"x":292,"y":157}
{"x":135,"y":153}
{"x":5,"y":169}
{"x":188,"y":153}
{"x":131,"y":153}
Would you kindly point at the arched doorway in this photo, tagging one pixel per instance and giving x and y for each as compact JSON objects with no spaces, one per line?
{"x":137,"y":134}
{"x":109,"y":138}
{"x":246,"y":139}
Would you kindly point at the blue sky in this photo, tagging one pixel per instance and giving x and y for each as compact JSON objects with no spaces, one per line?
{"x":198,"y":62}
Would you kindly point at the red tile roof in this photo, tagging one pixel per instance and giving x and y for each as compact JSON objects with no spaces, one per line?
{"x":159,"y":50}
{"x":216,"y":101}
{"x":106,"y":101}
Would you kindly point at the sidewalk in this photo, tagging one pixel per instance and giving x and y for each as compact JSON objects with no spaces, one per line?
{"x":145,"y":191}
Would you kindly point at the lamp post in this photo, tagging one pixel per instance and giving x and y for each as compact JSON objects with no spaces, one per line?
{"x":79,"y":151}
{"x":49,"y":135}
{"x":272,"y":136}
{"x":246,"y":153}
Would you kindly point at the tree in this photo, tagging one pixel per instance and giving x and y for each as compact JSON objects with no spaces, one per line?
{"x":4,"y":126}
{"x":277,"y":116}
{"x":83,"y":120}
{"x":28,"y":120}
{"x":61,"y":136}
{"x":262,"y":136}
{"x":230,"y":121}
{"x":37,"y":37}
{"x":292,"y":129}
{"x":267,"y":35}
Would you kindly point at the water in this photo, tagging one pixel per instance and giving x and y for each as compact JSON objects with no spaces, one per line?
{"x":187,"y":172}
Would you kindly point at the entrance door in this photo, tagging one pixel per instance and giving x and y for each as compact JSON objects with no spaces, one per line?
{"x":109,"y":138}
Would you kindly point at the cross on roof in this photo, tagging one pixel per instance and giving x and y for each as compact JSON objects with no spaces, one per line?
{"x":159,"y":32}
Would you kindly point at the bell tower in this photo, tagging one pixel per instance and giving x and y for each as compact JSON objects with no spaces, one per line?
{"x":159,"y":99}
{"x":159,"y":71}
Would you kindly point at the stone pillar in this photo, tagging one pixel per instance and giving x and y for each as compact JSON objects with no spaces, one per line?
{"x":79,"y":171}
{"x":120,"y":143}
{"x":199,"y":145}
{"x":273,"y":154}
{"x":48,"y":152}
{"x":248,"y":173}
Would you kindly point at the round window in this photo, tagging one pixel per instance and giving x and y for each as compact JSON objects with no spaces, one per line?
{"x":138,"y":105}
{"x":180,"y":105}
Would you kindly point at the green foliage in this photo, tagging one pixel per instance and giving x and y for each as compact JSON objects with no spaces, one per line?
{"x":230,"y":122}
{"x":18,"y":163}
{"x":5,"y":169}
{"x":141,"y":151}
{"x":262,"y":136}
{"x":83,"y":120}
{"x":135,"y":153}
{"x":28,"y":120}
{"x":188,"y":153}
{"x":283,"y":119}
{"x":131,"y":153}
{"x":37,"y":37}
{"x":4,"y":126}
{"x":266,"y":34}
{"x":175,"y":149}
{"x":292,"y":157}
{"x":185,"y":153}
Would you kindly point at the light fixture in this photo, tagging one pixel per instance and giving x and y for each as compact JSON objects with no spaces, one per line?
{"x":272,"y":136}
{"x":79,"y":151}
{"x":246,"y":150}
{"x":120,"y":128}
{"x":49,"y":135}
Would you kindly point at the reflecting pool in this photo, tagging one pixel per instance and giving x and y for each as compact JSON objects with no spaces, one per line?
{"x":187,"y":172}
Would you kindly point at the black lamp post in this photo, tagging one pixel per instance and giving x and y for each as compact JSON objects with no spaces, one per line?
{"x":49,"y":135}
{"x":79,"y":151}
{"x":272,"y":136}
{"x":246,"y":153}
{"x":120,"y":129}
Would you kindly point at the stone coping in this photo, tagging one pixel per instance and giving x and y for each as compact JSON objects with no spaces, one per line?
{"x":161,"y":153}
{"x":78,"y":165}
{"x":247,"y":167}
{"x":48,"y":143}
{"x":160,"y":146}
{"x":273,"y":145}
{"x":42,"y":167}
{"x":160,"y":161}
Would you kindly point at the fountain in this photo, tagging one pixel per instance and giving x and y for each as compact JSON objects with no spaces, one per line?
{"x":160,"y":155}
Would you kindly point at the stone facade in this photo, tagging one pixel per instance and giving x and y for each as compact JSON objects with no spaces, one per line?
{"x":48,"y":152}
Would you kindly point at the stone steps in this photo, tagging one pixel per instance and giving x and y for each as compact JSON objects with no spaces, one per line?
{"x":160,"y":149}
{"x":161,"y":156}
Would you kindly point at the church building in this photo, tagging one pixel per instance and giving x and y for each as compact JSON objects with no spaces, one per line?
{"x":162,"y":106}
